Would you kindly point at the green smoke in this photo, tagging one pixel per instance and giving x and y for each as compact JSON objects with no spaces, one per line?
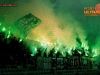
{"x":70,"y":20}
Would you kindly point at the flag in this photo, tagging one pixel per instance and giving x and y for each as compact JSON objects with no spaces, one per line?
{"x":27,"y":22}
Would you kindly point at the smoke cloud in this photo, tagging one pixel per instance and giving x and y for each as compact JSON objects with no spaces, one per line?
{"x":63,"y":22}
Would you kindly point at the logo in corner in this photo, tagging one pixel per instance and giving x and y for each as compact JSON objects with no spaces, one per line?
{"x":92,"y":11}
